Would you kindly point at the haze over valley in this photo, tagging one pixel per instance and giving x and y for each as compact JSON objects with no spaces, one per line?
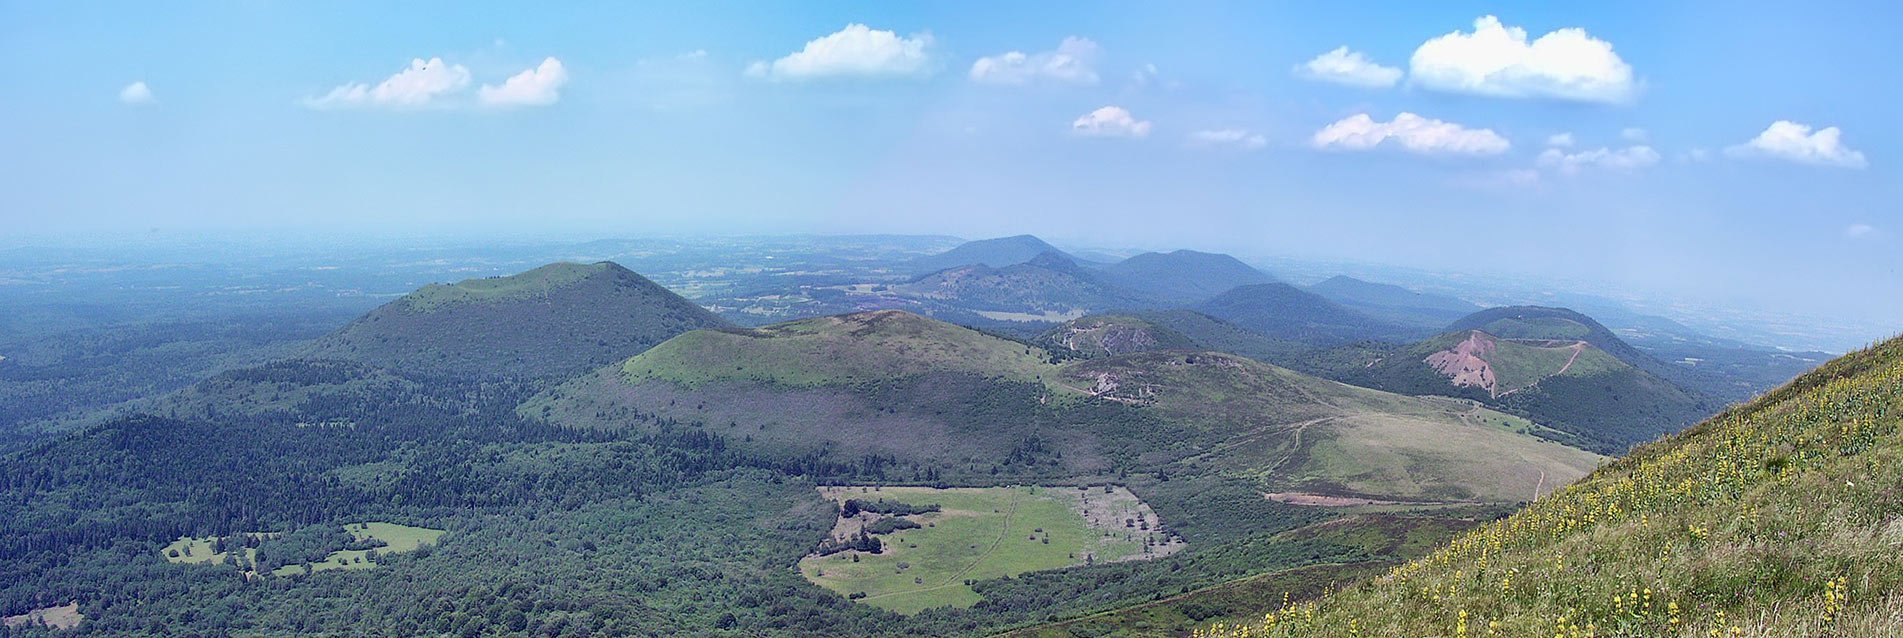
{"x":1200,"y":320}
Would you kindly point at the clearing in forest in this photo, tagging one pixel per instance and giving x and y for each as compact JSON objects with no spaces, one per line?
{"x":388,"y":538}
{"x":974,"y":534}
{"x":397,"y":539}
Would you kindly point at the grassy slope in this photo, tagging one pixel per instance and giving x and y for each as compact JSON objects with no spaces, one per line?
{"x":527,"y":285}
{"x":829,"y":383}
{"x":1775,"y":518}
{"x":836,"y":350}
{"x":1292,"y":431}
{"x":1601,"y":402}
{"x":1379,"y":541}
{"x":1110,"y":335}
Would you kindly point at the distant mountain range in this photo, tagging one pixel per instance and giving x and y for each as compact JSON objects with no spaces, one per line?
{"x":1393,"y":303}
{"x":1285,"y":312}
{"x":996,"y":253}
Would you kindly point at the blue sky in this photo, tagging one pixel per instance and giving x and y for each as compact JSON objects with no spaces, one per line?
{"x":1149,"y":125}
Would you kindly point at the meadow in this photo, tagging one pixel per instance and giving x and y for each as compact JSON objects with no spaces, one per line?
{"x":980,"y":534}
{"x":388,"y":538}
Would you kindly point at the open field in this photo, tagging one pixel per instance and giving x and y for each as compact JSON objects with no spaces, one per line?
{"x":397,"y":539}
{"x":199,"y":550}
{"x":983,"y":533}
{"x":65,"y":616}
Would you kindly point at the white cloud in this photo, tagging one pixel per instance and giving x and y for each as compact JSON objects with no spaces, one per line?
{"x":1071,"y":63}
{"x":1143,"y":75}
{"x":414,"y":87}
{"x":1352,"y":68}
{"x":539,"y":86}
{"x":1229,"y":137}
{"x":1695,"y":155}
{"x":855,"y":51}
{"x":1415,"y":133}
{"x":1110,"y":121}
{"x":1634,"y":135}
{"x":137,"y":93}
{"x":1497,"y":60}
{"x":1860,"y":231}
{"x":1789,"y":140}
{"x":1625,"y":159}
{"x":1560,"y":140}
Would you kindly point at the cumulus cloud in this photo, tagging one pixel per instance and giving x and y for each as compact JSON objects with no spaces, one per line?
{"x":1625,"y":159}
{"x":1860,"y":231}
{"x":1795,"y":142}
{"x":539,"y":86}
{"x":1229,"y":137}
{"x":1560,"y":140}
{"x":1110,"y":121}
{"x":137,"y":93}
{"x":855,"y":51}
{"x":1497,"y":60}
{"x":1634,"y":135}
{"x":417,"y":86}
{"x":1352,"y":68}
{"x":1415,"y":133}
{"x":1071,"y":63}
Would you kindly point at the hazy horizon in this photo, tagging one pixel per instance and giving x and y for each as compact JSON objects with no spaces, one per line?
{"x":1687,"y":151}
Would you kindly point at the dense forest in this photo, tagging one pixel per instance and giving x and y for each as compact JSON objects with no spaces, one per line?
{"x":667,"y":528}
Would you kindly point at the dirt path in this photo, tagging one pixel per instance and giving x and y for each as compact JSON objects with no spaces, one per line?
{"x":1577,"y":348}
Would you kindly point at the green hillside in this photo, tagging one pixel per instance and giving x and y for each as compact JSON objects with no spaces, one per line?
{"x":940,"y":401}
{"x":1048,"y":285}
{"x":1552,"y":365}
{"x":836,"y":350}
{"x":1774,"y":518}
{"x":554,"y":320}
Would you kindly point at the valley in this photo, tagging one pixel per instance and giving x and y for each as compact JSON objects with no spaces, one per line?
{"x":974,"y":449}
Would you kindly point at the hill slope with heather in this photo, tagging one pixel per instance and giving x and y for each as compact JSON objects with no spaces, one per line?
{"x":1774,"y":518}
{"x":554,"y":320}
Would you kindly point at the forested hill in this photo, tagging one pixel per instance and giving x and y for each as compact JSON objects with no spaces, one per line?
{"x":552,"y":321}
{"x":1780,"y":517}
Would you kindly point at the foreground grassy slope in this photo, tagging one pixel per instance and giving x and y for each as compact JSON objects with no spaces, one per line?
{"x":1782,"y":517}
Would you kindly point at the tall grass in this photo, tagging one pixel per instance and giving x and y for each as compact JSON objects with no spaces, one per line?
{"x":1782,"y":517}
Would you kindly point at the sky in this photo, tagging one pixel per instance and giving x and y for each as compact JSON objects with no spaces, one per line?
{"x":1740,"y":152}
